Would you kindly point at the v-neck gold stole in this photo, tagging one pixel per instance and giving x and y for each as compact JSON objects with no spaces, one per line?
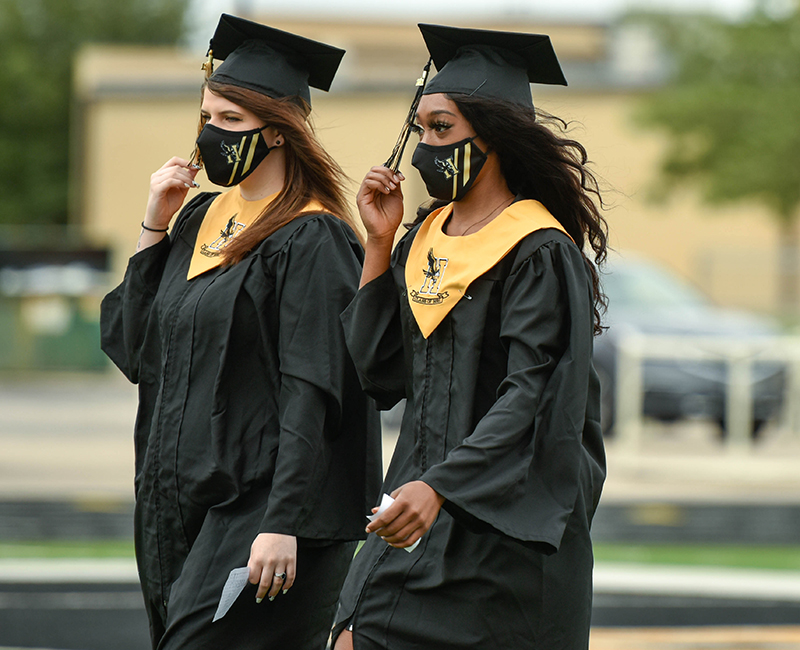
{"x":439,"y":267}
{"x":227,"y":216}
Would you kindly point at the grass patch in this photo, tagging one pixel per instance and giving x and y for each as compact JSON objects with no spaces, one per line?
{"x":67,"y":549}
{"x":724,"y":555}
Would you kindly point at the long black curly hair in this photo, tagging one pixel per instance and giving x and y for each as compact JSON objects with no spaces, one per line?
{"x":540,"y":162}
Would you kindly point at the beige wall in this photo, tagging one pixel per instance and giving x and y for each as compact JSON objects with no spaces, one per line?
{"x":126,"y":141}
{"x":127,"y":135}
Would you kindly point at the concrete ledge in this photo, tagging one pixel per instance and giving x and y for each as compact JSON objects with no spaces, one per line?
{"x":58,"y":571}
{"x":609,"y":578}
{"x":706,"y":582}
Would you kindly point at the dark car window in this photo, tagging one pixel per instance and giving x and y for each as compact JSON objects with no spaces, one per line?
{"x":644,"y":286}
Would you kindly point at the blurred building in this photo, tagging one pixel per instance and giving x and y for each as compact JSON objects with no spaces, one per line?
{"x":137,"y":107}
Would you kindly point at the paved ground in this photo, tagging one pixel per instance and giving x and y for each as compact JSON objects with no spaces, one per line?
{"x":69,"y":437}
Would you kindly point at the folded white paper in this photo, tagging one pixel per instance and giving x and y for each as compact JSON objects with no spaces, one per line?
{"x":386,"y":501}
{"x":236,"y":581}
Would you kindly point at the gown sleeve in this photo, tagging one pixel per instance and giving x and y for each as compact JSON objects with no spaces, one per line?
{"x":316,"y":276}
{"x":125,"y":312}
{"x":372,"y":326}
{"x":522,"y":468}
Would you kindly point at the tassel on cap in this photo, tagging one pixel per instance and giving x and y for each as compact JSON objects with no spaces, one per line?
{"x":397,"y":153}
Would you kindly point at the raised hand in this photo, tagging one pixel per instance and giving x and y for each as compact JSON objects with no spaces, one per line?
{"x":168,"y":189}
{"x":380,"y":203}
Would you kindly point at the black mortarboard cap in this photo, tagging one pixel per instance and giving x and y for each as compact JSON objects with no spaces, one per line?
{"x":270,"y":61}
{"x":489,"y":63}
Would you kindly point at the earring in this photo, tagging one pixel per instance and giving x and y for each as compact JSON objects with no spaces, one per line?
{"x":277,"y":143}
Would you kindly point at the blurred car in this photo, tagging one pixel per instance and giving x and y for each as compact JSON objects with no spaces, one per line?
{"x":644,"y":297}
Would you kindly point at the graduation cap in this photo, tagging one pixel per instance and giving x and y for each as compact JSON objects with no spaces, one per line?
{"x":270,"y":61}
{"x":488,"y":63}
{"x":481,"y":62}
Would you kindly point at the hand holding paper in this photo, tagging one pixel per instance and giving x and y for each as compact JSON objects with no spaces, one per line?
{"x":386,"y":501}
{"x":405,"y":515}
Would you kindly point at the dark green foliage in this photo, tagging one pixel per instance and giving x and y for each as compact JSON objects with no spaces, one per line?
{"x":732,"y":108}
{"x":38,"y":39}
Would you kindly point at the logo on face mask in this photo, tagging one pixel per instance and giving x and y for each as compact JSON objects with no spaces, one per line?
{"x":231,"y":153}
{"x":428,"y":293}
{"x":447,"y":167}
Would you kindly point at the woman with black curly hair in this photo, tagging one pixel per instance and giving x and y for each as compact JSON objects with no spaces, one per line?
{"x":482,"y":318}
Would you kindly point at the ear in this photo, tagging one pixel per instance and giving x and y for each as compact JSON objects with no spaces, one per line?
{"x":272,"y":137}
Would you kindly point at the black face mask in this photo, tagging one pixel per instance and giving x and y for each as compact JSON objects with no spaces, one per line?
{"x":231,"y":156}
{"x":449,"y":171}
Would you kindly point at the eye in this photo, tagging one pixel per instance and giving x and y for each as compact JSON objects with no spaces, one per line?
{"x":232,"y":118}
{"x":441,"y":127}
{"x":416,"y":128}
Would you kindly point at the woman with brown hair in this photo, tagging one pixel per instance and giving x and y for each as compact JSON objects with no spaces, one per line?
{"x":482,"y":319}
{"x":257,"y":453}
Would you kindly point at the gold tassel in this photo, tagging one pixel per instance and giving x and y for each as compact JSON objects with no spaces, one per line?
{"x":208,"y":66}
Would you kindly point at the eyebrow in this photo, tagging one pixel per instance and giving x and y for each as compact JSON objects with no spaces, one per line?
{"x":439,"y":112}
{"x":203,"y":111}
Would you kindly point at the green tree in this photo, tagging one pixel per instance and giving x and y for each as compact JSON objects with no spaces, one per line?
{"x":38,"y":39}
{"x":732,"y":111}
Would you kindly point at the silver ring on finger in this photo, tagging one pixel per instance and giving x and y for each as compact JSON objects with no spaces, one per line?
{"x":281,"y":576}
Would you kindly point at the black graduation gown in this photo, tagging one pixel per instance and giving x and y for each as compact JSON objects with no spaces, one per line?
{"x":502,"y":419}
{"x":250,"y":420}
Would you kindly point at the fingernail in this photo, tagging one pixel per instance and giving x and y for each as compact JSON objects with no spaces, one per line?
{"x":258,"y":600}
{"x":271,"y":598}
{"x":285,"y":591}
{"x":186,"y":185}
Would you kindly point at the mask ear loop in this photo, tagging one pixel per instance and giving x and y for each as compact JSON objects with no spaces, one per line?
{"x":397,"y":153}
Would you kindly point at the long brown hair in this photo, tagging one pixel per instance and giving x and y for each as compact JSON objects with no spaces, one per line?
{"x":539,"y":163}
{"x":311,"y":174}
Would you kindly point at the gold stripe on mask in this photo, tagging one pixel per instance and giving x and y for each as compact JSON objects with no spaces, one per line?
{"x":455,"y":175}
{"x":239,"y":158}
{"x":467,"y":158}
{"x":250,"y":153}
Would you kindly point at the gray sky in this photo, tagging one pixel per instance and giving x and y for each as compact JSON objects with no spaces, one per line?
{"x":206,"y":12}
{"x":460,"y":10}
{"x":443,"y":9}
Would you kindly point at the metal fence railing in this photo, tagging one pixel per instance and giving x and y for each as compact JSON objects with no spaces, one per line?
{"x":738,"y":354}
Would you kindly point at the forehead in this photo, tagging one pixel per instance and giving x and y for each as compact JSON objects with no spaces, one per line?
{"x":437,"y":103}
{"x":213,"y":103}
